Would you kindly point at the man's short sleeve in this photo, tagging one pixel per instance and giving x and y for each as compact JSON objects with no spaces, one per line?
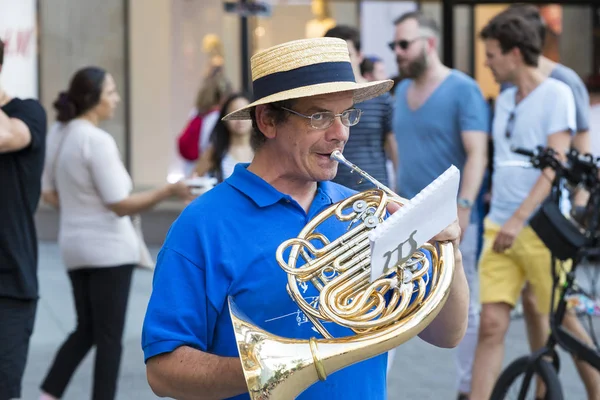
{"x":473,"y":109}
{"x":561,"y":113}
{"x":178,"y":312}
{"x":33,"y":115}
{"x":108,"y":172}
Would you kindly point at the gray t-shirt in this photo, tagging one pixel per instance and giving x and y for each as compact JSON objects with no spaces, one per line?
{"x":548,"y":109}
{"x":89,"y":174}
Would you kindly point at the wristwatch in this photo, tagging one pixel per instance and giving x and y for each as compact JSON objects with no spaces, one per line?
{"x":464,"y":203}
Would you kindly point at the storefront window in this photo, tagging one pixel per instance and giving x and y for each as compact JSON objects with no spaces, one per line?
{"x":298,"y":19}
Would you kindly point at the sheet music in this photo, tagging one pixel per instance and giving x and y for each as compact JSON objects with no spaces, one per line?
{"x":424,"y":216}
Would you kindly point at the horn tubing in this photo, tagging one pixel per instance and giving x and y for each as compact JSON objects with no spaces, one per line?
{"x":338,"y":156}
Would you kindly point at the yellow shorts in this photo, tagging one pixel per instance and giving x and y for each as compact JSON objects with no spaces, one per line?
{"x":503,"y":275}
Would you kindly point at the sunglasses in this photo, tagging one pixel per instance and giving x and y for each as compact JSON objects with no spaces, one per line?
{"x":403,"y":44}
{"x":510,"y":124}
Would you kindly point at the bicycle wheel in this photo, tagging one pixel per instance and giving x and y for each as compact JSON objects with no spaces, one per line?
{"x":509,"y":385}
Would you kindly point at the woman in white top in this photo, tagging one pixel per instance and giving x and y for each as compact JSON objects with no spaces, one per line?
{"x":229,"y":142}
{"x":85,"y":178}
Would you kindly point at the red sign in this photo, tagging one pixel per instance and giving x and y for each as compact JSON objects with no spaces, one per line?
{"x":18,"y":42}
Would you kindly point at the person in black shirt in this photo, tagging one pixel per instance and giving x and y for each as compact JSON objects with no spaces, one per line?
{"x":22,"y":149}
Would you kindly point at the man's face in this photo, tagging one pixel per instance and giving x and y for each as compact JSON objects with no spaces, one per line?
{"x":411,"y":48}
{"x":378,"y":74}
{"x":305,"y":150}
{"x":355,"y":55}
{"x":502,"y":65}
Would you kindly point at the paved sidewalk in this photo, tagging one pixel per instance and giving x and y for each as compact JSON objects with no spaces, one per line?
{"x":420,"y":371}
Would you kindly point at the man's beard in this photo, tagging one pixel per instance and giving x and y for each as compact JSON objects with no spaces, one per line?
{"x":415,"y":68}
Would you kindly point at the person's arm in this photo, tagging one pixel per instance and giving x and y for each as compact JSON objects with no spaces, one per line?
{"x":205,"y":164}
{"x":473,"y":119}
{"x":14,"y":134}
{"x":49,"y":193}
{"x":581,"y":141}
{"x":449,"y":326}
{"x":25,"y":128}
{"x":190,"y":374}
{"x":114,"y":184}
{"x":51,"y":197}
{"x":138,"y":202}
{"x":476,"y":148}
{"x":188,"y":296}
{"x":390,"y":144}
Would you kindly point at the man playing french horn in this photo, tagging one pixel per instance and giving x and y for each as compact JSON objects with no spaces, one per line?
{"x":238,"y":244}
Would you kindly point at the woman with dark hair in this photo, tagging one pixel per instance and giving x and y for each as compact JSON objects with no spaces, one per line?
{"x":229,"y":142}
{"x":86,"y":180}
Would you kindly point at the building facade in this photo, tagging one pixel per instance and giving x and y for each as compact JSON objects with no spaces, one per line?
{"x":158,"y":51}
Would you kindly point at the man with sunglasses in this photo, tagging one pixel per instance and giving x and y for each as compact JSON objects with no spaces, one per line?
{"x":536,"y":111}
{"x":441,"y":119}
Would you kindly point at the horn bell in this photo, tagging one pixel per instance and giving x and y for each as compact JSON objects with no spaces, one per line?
{"x":278,"y":368}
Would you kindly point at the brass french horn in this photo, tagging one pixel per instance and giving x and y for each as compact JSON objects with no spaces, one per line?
{"x":380,"y":312}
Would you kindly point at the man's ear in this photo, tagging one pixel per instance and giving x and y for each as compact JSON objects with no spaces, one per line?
{"x":265,"y":121}
{"x":432,"y":42}
{"x":516,"y":53}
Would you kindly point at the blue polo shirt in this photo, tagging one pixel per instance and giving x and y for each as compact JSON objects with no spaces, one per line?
{"x":223,"y":244}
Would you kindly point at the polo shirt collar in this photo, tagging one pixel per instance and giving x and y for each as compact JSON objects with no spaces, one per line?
{"x":263,"y":193}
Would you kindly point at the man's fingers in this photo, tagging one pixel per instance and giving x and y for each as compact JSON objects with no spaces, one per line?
{"x":450,"y":234}
{"x":393,"y":207}
{"x":498,"y":244}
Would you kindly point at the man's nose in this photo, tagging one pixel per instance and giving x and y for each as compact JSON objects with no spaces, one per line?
{"x":338,"y":131}
{"x":398,"y":50}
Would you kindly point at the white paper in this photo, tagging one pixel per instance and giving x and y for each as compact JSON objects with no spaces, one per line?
{"x":418,"y":221}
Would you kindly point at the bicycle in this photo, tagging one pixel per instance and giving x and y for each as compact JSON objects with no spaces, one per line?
{"x":568,"y":239}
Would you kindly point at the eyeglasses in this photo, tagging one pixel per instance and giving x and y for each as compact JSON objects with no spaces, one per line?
{"x":403,"y":44}
{"x":324,"y":119}
{"x":510,"y":125}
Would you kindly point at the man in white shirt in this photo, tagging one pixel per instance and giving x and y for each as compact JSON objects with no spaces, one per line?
{"x":536,"y":111}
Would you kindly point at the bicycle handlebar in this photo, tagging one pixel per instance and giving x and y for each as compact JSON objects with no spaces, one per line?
{"x":523,"y":151}
{"x":579,"y":169}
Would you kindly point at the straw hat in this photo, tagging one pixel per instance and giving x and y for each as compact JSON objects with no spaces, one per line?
{"x":304,"y":68}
